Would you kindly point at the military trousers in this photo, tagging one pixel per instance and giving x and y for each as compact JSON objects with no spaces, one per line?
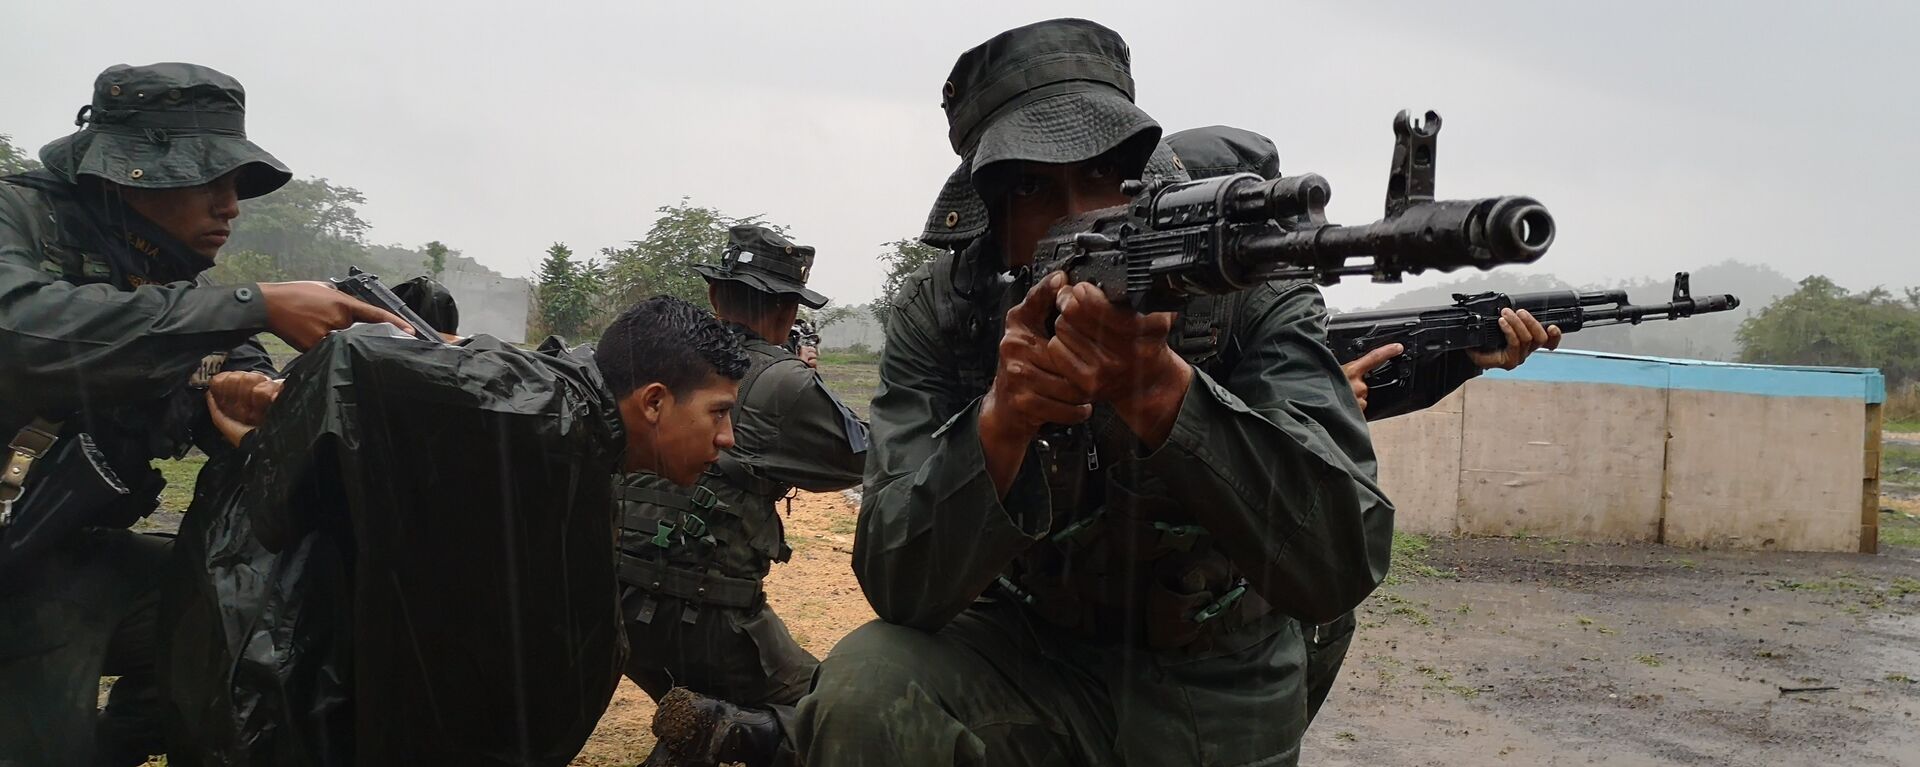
{"x":998,"y":687}
{"x":1327,"y":645}
{"x":88,"y":609}
{"x":744,"y":656}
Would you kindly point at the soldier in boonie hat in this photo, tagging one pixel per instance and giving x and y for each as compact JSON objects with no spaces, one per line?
{"x":1140,"y":523}
{"x":165,"y":126}
{"x":114,"y":344}
{"x":766,"y":261}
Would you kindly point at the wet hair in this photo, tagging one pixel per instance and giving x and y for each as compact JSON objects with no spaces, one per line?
{"x":668,"y":341}
{"x":739,"y":302}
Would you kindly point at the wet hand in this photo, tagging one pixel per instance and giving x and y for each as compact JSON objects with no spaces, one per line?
{"x":1357,"y":370}
{"x":1122,"y":357}
{"x":303,"y":313}
{"x":1029,"y":387}
{"x":1525,"y":335}
{"x":238,"y":402}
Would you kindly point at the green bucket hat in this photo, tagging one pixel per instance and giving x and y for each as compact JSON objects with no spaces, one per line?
{"x":1220,"y":150}
{"x":768,"y":262}
{"x":165,"y":126}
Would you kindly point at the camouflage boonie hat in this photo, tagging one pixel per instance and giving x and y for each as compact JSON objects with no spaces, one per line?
{"x":1220,"y":150}
{"x":768,"y":262}
{"x":959,"y":215}
{"x":1055,"y":92}
{"x":165,"y":126}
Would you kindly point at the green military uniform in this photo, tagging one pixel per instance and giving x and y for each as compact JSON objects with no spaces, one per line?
{"x":693,"y":561}
{"x":1220,"y":150}
{"x":1118,"y":605}
{"x":104,"y":329}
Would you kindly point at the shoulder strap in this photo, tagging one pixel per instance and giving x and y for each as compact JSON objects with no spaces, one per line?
{"x":967,"y":327}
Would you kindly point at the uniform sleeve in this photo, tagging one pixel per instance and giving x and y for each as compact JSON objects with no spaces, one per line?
{"x":1276,"y":462}
{"x":1433,"y":380}
{"x":70,"y":344}
{"x":821,"y":445}
{"x":933,"y":531}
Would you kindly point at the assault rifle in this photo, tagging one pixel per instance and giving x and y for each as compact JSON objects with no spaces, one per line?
{"x":1223,"y":234}
{"x":1473,"y":322}
{"x":367,"y":287}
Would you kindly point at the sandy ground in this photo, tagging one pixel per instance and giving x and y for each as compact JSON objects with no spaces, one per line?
{"x":1543,"y":652}
{"x":815,"y":594}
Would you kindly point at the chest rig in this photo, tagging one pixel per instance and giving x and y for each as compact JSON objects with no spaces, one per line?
{"x":712,"y":544}
{"x":1124,"y":561}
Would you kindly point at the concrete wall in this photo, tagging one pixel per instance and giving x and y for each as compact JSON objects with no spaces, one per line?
{"x":1609,"y":448}
{"x":495,"y":306}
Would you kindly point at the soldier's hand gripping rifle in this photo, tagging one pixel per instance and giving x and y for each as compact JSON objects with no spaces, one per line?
{"x":1473,"y":322}
{"x":1220,"y":235}
{"x":367,"y":287}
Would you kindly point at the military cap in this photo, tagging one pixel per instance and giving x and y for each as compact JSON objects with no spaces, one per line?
{"x":1219,"y":150}
{"x":1058,"y":91}
{"x":165,"y":126}
{"x":763,"y":259}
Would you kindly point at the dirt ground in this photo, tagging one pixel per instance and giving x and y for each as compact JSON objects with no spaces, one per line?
{"x":1525,"y":652}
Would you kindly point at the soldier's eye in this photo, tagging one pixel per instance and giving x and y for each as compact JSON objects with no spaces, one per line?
{"x":1028,"y":186}
{"x":1103,"y":170}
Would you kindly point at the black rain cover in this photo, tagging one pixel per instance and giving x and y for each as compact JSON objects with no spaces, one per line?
{"x":412,"y":562}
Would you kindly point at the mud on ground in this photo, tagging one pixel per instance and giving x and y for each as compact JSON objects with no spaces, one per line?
{"x":1525,"y":652}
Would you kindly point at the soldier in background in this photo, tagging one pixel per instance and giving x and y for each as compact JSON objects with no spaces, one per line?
{"x":693,"y":561}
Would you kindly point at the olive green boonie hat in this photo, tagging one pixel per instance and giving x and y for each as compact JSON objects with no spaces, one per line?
{"x":1220,"y":150}
{"x":165,"y":126}
{"x":768,"y":262}
{"x":1054,"y":92}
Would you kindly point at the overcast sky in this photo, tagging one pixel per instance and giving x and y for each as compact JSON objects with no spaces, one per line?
{"x":1662,"y":135}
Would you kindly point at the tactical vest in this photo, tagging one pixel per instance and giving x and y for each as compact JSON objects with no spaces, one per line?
{"x":1124,"y":561}
{"x":715,"y":543}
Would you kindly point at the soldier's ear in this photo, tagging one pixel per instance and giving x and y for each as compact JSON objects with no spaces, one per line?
{"x":646,"y":405}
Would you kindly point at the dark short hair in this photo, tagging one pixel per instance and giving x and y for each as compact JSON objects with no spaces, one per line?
{"x":747,"y":304}
{"x":668,"y":341}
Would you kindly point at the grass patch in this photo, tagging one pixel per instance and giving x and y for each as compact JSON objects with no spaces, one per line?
{"x":1903,"y":678}
{"x":1409,"y":560}
{"x":852,"y":378}
{"x":1443,"y":681}
{"x":846,"y":357}
{"x":1896,"y":457}
{"x":1650,"y":661}
{"x":1897,"y":529}
{"x":844,"y":524}
{"x":180,"y":478}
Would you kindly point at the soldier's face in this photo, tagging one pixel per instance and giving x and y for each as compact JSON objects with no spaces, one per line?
{"x":1033,"y":196}
{"x":679,"y":436}
{"x":199,"y":216}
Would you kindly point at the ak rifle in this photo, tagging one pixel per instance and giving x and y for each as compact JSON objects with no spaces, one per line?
{"x":1178,"y":239}
{"x":1472,"y":322}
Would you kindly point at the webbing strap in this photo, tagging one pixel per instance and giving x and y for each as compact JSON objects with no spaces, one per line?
{"x":32,"y":442}
{"x":674,"y":582}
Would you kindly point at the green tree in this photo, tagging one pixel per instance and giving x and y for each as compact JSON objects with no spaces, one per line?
{"x":661,"y":262}
{"x":568,"y":294}
{"x":1823,"y":324}
{"x":436,"y":257}
{"x":13,"y":159}
{"x":310,"y":227}
{"x":238,"y":267}
{"x":901,"y":258}
{"x":829,"y":316}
